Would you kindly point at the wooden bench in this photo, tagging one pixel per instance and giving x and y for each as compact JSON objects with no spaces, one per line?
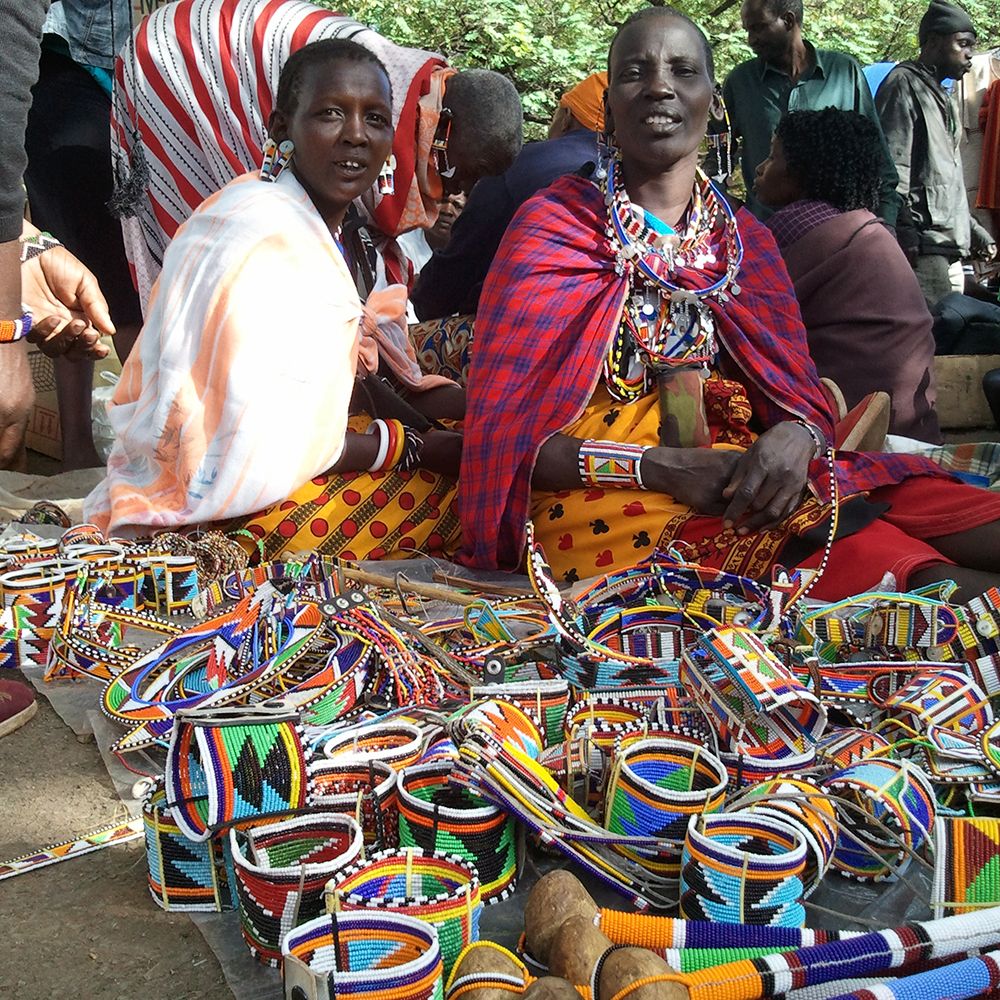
{"x":960,"y":401}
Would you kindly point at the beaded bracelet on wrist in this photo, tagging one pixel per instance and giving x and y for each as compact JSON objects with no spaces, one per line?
{"x":32,"y":246}
{"x":609,"y":463}
{"x":12,"y":330}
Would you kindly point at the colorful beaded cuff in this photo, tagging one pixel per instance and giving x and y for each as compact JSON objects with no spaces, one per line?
{"x":436,"y":816}
{"x":12,"y":330}
{"x":374,"y":955}
{"x":442,"y":889}
{"x":281,"y":871}
{"x":225,"y":765}
{"x":368,"y":791}
{"x":608,"y":463}
{"x":743,"y":867}
{"x":183,"y":874}
{"x":966,"y":865}
{"x":32,"y":246}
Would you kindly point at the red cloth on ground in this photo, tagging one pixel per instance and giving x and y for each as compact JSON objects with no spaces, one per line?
{"x":920,"y":508}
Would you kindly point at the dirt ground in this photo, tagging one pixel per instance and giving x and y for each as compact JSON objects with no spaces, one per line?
{"x":84,"y":928}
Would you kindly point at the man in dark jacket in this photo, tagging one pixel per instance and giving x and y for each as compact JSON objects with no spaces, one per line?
{"x":920,"y":120}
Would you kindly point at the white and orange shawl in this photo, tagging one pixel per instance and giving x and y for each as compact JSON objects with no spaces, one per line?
{"x":237,"y":391}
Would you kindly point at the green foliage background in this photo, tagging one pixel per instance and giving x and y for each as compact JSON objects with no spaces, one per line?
{"x":545,"y":46}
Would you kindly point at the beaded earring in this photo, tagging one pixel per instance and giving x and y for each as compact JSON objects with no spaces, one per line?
{"x":276,"y":158}
{"x":386,"y":183}
{"x":719,"y":144}
{"x":606,"y":147}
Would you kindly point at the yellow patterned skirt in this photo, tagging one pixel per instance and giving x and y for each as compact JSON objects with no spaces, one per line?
{"x":359,"y":515}
{"x":590,"y":532}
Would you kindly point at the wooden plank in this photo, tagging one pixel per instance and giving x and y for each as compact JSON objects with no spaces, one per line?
{"x":960,"y":399}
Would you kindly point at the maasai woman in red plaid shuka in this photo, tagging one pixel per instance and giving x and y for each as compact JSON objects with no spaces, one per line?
{"x":590,"y":297}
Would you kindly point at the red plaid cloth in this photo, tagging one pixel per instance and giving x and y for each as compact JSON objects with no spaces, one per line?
{"x":548,"y":309}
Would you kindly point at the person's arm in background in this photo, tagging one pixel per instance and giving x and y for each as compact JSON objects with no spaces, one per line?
{"x":20,"y":28}
{"x":451,"y":280}
{"x":889,"y":199}
{"x":896,"y":115}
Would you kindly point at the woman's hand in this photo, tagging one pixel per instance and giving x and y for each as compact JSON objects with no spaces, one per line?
{"x":694,"y":476}
{"x":770,"y":478}
{"x":70,"y":311}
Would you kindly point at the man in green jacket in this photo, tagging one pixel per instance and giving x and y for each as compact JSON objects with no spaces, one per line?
{"x":920,"y":119}
{"x":791,"y":74}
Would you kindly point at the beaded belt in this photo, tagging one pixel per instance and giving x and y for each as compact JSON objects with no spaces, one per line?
{"x":229,"y":764}
{"x":442,"y":889}
{"x":281,"y":870}
{"x":375,"y":955}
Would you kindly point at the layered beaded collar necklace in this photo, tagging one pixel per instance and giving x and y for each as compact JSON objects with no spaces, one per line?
{"x":664,"y":325}
{"x":656,"y":256}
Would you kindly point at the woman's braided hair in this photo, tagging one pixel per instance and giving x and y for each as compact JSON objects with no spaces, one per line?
{"x":836,"y":156}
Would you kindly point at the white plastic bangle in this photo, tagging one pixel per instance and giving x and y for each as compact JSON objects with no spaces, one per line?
{"x":383,"y":445}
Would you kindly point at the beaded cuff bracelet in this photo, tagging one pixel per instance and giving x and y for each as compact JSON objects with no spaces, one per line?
{"x":609,"y":463}
{"x":32,"y":246}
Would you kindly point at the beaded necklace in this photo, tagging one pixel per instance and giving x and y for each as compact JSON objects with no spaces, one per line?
{"x":664,"y":325}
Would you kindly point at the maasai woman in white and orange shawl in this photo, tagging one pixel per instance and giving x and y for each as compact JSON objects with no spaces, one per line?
{"x":195,"y":87}
{"x":235,"y":400}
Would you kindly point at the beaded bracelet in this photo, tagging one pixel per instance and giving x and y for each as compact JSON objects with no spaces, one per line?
{"x":609,"y":463}
{"x":966,"y":865}
{"x":656,"y":786}
{"x":32,"y":246}
{"x":502,"y":722}
{"x":369,"y":954}
{"x":184,"y":875}
{"x":898,"y":796}
{"x":819,"y":442}
{"x":743,"y":867}
{"x":225,"y":765}
{"x":281,"y":871}
{"x":435,"y":816}
{"x":12,"y":330}
{"x":805,"y":808}
{"x":397,"y":744}
{"x":947,"y":699}
{"x":367,"y":791}
{"x":442,"y":889}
